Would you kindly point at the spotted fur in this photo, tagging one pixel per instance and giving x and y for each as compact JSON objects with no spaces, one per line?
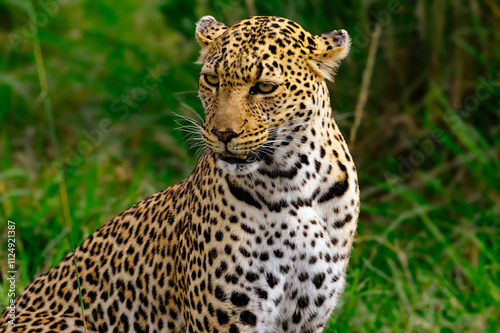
{"x":258,"y":237}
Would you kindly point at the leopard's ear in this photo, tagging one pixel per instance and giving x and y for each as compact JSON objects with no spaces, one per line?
{"x":207,"y":30}
{"x":330,"y":49}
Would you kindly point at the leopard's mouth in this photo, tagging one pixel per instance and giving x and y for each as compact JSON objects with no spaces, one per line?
{"x":239,"y":159}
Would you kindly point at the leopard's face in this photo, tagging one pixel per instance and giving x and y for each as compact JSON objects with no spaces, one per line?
{"x":258,"y":82}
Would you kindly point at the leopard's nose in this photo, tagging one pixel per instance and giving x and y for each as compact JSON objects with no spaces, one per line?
{"x":227,"y":135}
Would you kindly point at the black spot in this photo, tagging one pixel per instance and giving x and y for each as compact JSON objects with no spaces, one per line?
{"x":271,"y":280}
{"x":296,"y":317}
{"x":239,"y":299}
{"x":248,"y":318}
{"x":222,"y":317}
{"x":303,"y":276}
{"x":303,"y":157}
{"x":198,"y":325}
{"x":318,"y":280}
{"x":273,"y":206}
{"x":244,"y":252}
{"x":251,"y":277}
{"x":303,"y":301}
{"x":124,"y":320}
{"x":242,"y":194}
{"x":247,"y":228}
{"x":261,"y":293}
{"x":207,"y":236}
{"x":337,"y":190}
{"x":341,"y":223}
{"x":317,"y":165}
{"x":275,"y":173}
{"x":219,"y":293}
{"x":320,"y":300}
{"x":284,"y":269}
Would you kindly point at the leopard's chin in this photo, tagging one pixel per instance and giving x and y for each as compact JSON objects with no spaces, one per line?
{"x":233,"y":159}
{"x":238,"y":166}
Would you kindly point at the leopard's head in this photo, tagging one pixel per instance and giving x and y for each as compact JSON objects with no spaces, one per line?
{"x":261,"y":80}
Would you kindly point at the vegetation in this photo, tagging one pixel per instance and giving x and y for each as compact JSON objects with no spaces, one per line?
{"x":88,"y":96}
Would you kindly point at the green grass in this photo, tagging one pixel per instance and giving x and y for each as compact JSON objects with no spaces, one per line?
{"x":427,"y":256}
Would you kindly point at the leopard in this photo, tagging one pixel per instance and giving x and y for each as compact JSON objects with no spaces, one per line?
{"x":258,"y":237}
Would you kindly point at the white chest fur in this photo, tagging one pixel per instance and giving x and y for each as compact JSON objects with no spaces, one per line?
{"x":295,"y":266}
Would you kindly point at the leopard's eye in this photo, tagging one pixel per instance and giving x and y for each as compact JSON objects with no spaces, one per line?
{"x":212,"y":80}
{"x":265,"y":88}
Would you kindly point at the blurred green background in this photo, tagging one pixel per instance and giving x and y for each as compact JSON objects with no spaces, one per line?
{"x":89,"y":91}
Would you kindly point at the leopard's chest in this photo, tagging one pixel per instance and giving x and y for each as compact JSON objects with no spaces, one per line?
{"x":289,"y":267}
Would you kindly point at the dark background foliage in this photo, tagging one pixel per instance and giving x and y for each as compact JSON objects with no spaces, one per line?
{"x":89,"y":92}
